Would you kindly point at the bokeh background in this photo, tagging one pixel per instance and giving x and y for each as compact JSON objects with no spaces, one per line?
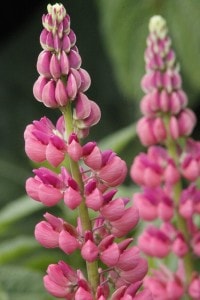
{"x":111,"y":37}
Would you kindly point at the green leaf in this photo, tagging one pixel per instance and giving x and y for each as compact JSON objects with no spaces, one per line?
{"x":17,"y":209}
{"x":9,"y":170}
{"x":17,"y":247}
{"x":118,"y":140}
{"x":12,"y":178}
{"x":184,"y":30}
{"x":124,"y":28}
{"x":127,"y":191}
{"x":3,"y":295}
{"x":21,"y":283}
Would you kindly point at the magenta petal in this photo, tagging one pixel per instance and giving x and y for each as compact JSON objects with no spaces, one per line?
{"x":67,"y":242}
{"x":129,"y":259}
{"x":74,"y":150}
{"x":83,"y":107}
{"x":71,"y":87}
{"x":66,"y":44}
{"x":48,"y":95}
{"x":56,"y":273}
{"x":82,"y":294}
{"x":89,"y":251}
{"x":35,"y":150}
{"x":72,"y":37}
{"x":114,"y":172}
{"x":77,"y":77}
{"x":94,"y":159}
{"x":32,"y":188}
{"x":110,"y":256}
{"x":54,"y":288}
{"x":45,"y":235}
{"x":61,"y":93}
{"x":49,"y":195}
{"x":113,"y":210}
{"x":43,"y":63}
{"x":39,"y":86}
{"x":54,"y":155}
{"x":137,"y":273}
{"x":85,"y":80}
{"x":74,"y":59}
{"x":95,"y":115}
{"x":126,"y":223}
{"x":94,"y":200}
{"x":55,"y":67}
{"x":72,"y":198}
{"x":64,"y":63}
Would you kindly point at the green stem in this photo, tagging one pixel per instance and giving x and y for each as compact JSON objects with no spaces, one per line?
{"x":180,"y":221}
{"x":92,"y":267}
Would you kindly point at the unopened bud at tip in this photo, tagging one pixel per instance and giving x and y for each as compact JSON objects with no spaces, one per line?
{"x":158,"y":26}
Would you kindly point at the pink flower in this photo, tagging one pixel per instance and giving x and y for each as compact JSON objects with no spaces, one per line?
{"x":45,"y":187}
{"x":63,"y":282}
{"x":147,"y":171}
{"x":194,"y":288}
{"x":61,"y":79}
{"x":114,"y":209}
{"x":68,"y":239}
{"x":55,"y":232}
{"x":89,"y":250}
{"x":130,"y":293}
{"x":49,"y":188}
{"x":113,"y":170}
{"x":129,"y":256}
{"x":151,"y":130}
{"x":128,"y":277}
{"x":180,"y":247}
{"x":47,"y":232}
{"x":154,"y":203}
{"x":106,"y":247}
{"x":83,"y":294}
{"x":44,"y":141}
{"x":74,"y":148}
{"x":196,"y":243}
{"x":154,"y":242}
{"x":107,"y":167}
{"x":190,"y":160}
{"x":126,"y":222}
{"x":94,"y":197}
{"x":72,"y":195}
{"x":164,"y":285}
{"x":189,"y":202}
{"x":152,"y":168}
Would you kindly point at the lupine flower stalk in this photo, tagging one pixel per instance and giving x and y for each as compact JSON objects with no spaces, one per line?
{"x":81,"y":176}
{"x":167,"y":173}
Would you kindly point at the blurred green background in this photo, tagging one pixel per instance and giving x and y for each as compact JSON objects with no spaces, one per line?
{"x":111,"y":37}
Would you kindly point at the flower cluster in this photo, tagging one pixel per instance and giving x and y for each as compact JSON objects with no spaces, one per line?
{"x":168,"y":173}
{"x":82,"y":177}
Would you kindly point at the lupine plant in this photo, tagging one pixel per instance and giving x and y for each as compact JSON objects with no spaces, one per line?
{"x":168,"y":174}
{"x":81,"y":177}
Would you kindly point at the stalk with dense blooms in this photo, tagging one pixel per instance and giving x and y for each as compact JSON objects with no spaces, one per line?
{"x":82,"y":177}
{"x":167,"y":174}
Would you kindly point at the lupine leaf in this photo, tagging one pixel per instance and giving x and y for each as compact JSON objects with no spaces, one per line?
{"x":12,"y":178}
{"x":124,"y":26}
{"x":18,"y":209}
{"x":118,"y":140}
{"x":15,"y":248}
{"x":3,"y":295}
{"x":21,"y":283}
{"x":9,"y":170}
